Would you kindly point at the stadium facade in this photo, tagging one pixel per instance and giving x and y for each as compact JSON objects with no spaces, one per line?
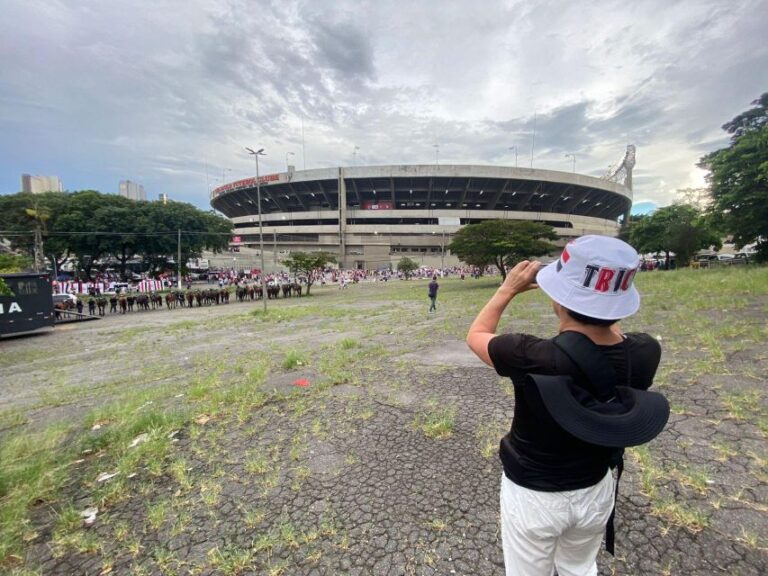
{"x":371,"y":216}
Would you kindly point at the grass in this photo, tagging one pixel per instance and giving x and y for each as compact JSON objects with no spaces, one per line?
{"x":489,"y":435}
{"x":742,"y":405}
{"x":703,"y":317}
{"x":293,"y":359}
{"x":694,"y":477}
{"x":650,"y":471}
{"x":231,"y":560}
{"x":257,"y":464}
{"x":437,"y":423}
{"x":691,"y":518}
{"x":437,"y":525}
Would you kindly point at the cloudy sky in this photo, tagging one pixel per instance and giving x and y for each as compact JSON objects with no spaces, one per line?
{"x":168,"y":92}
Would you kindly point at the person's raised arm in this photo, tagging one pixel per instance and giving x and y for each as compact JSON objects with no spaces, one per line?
{"x":519,"y":279}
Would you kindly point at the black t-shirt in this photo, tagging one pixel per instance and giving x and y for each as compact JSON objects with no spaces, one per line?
{"x":537,"y":453}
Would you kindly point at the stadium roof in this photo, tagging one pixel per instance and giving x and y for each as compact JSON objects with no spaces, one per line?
{"x":431,"y":187}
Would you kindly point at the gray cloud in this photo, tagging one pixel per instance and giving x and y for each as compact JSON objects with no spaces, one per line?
{"x":165,"y":93}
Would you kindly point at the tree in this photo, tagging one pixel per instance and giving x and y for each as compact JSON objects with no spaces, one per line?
{"x":21,"y":225}
{"x":306,"y":263}
{"x":739,"y":178}
{"x":680,"y":228}
{"x":162,"y":221}
{"x":89,"y":226}
{"x":753,"y":120}
{"x":502,"y":243}
{"x":9,"y":264}
{"x":406,"y":266}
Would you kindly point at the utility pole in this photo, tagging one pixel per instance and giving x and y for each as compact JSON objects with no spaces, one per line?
{"x":256,"y":154}
{"x":178,"y":258}
{"x":39,"y":254}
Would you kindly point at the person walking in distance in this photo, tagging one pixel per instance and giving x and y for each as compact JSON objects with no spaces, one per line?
{"x":432,"y":293}
{"x":580,"y":398}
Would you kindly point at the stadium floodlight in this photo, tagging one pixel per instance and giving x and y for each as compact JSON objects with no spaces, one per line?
{"x":572,"y":157}
{"x":515,"y":149}
{"x":256,"y":154}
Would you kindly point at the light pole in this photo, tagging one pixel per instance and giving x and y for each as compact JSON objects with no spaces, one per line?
{"x":286,"y":159}
{"x":354,"y":155}
{"x":515,"y":149}
{"x":533,"y":138}
{"x":256,"y":154}
{"x":437,"y":153}
{"x":442,"y":255}
{"x":572,"y":157}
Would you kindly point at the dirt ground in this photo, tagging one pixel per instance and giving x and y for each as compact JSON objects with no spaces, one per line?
{"x":370,"y":449}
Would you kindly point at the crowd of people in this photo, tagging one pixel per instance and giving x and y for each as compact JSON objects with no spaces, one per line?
{"x":110,"y":296}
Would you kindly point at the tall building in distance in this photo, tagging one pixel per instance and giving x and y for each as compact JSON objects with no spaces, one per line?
{"x":163,"y":197}
{"x":132,"y":190}
{"x":39,"y":184}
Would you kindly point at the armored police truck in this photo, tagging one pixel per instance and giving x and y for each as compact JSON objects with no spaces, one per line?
{"x":29,"y":308}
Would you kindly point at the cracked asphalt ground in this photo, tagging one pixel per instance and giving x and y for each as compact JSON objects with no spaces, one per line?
{"x":385,"y":463}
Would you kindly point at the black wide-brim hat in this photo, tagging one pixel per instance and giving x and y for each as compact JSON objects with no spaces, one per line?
{"x":631,"y":418}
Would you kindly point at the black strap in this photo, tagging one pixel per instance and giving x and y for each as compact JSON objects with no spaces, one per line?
{"x":610,"y":530}
{"x":600,"y":374}
{"x":591,"y":361}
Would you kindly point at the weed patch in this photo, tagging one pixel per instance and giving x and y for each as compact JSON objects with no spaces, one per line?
{"x":437,"y":423}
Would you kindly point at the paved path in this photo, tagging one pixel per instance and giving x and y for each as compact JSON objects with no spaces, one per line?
{"x":355,"y":487}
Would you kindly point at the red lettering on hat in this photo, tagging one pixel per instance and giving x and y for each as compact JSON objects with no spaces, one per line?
{"x":628,"y":278}
{"x":565,"y":256}
{"x":604,"y":279}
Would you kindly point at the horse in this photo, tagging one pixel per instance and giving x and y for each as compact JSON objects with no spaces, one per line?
{"x":101,"y":302}
{"x":179,"y":295}
{"x":142,"y":302}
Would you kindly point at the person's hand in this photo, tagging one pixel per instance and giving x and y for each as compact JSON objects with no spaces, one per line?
{"x":521,"y":278}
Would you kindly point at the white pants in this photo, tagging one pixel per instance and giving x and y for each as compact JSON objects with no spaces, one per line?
{"x":541,"y":531}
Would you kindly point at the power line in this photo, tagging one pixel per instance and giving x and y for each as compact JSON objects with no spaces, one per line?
{"x":9,"y":233}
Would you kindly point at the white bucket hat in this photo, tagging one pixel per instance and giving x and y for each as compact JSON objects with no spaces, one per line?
{"x":594,"y":277}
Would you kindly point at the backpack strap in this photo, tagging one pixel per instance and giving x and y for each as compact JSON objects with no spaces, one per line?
{"x":601,"y":377}
{"x":585,"y":354}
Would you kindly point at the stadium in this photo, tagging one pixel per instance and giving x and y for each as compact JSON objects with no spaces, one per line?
{"x":371,"y":216}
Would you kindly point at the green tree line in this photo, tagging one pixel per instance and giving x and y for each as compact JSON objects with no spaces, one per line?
{"x":88,"y":226}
